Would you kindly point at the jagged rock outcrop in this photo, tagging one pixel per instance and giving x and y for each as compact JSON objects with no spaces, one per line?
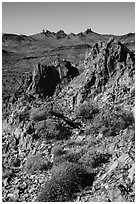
{"x":66,"y":70}
{"x":61,"y":34}
{"x":106,"y":64}
{"x":45,"y":78}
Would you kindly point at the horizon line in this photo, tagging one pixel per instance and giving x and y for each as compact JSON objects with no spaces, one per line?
{"x":67,"y":33}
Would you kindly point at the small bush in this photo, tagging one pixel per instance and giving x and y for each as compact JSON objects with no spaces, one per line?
{"x":59,"y":151}
{"x":87,"y":110}
{"x":40,"y":129}
{"x":38,"y":114}
{"x":52,"y":129}
{"x":65,"y":182}
{"x":61,"y":155}
{"x":36,"y":163}
{"x":93,"y":159}
{"x":56,"y":130}
{"x":111,"y":121}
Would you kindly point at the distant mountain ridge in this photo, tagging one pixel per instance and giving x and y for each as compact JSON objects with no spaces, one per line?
{"x":60,"y":35}
{"x":47,"y":40}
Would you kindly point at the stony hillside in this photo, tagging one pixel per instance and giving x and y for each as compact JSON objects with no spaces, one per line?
{"x":68,"y":127}
{"x":20,"y":53}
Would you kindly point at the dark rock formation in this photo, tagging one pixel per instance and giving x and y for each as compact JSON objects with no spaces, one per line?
{"x":71,"y":71}
{"x":66,"y":70}
{"x":44,"y":80}
{"x":61,"y":34}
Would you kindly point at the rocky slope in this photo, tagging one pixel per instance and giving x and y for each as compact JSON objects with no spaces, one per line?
{"x":67,"y":120}
{"x":21,"y":53}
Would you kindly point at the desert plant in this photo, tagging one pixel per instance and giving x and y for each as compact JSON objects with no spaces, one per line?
{"x":52,"y":129}
{"x":41,"y":113}
{"x":110,"y":121}
{"x":93,"y":159}
{"x":66,"y":180}
{"x":61,"y":155}
{"x":87,"y":110}
{"x":40,"y":128}
{"x":36,"y":163}
{"x":56,"y":130}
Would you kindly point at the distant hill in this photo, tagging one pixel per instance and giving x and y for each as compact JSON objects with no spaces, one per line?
{"x":60,"y":38}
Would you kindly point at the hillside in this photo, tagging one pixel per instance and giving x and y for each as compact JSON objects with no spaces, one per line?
{"x":68,"y":117}
{"x":20,"y":52}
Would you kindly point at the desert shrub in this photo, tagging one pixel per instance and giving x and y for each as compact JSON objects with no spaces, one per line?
{"x":40,"y":129}
{"x":61,"y":155}
{"x":94,"y":159}
{"x":56,"y":130}
{"x":36,"y":163}
{"x":65,"y":182}
{"x":41,"y":113}
{"x":111,"y":121}
{"x":73,"y":142}
{"x":52,"y":129}
{"x":59,"y":151}
{"x":87,"y":110}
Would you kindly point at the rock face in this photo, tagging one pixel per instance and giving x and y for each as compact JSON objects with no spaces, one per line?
{"x":46,"y":78}
{"x":67,"y":71}
{"x":105,"y":64}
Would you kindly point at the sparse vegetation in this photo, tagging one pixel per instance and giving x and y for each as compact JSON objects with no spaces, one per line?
{"x":61,"y":155}
{"x":94,"y":159}
{"x":36,"y":163}
{"x":38,"y":114}
{"x":52,"y":129}
{"x":56,"y":130}
{"x":87,"y":110}
{"x":110,"y":121}
{"x":66,"y":180}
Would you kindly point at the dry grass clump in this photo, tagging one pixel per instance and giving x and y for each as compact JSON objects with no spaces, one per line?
{"x":94,"y":159}
{"x":52,"y":129}
{"x":67,"y":179}
{"x":87,"y":110}
{"x":36,"y":163}
{"x":56,"y":130}
{"x":41,"y":113}
{"x":61,"y":155}
{"x":110,"y":121}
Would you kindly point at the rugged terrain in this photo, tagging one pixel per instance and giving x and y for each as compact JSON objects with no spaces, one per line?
{"x":68,"y":117}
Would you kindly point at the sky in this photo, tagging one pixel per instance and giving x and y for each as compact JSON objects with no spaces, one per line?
{"x":102,"y":17}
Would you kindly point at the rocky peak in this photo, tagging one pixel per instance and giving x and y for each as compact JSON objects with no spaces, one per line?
{"x":61,"y":34}
{"x":48,"y":33}
{"x":88,"y":31}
